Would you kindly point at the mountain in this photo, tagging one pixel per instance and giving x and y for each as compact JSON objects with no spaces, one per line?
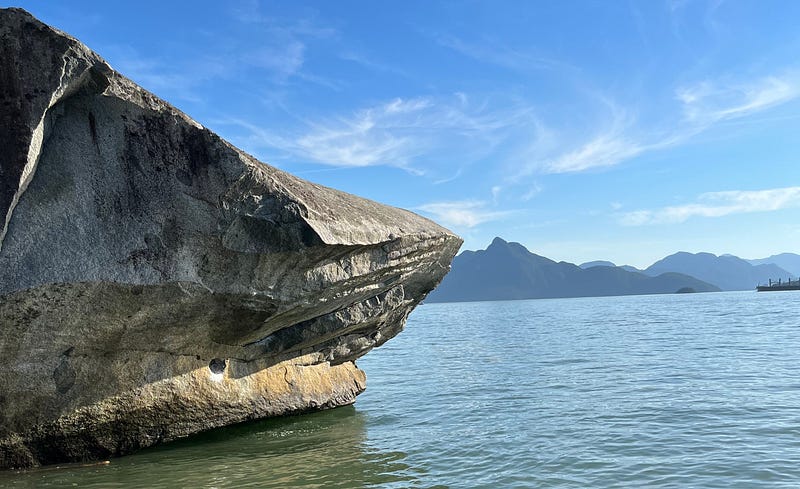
{"x":605,"y":263}
{"x":596,"y":263}
{"x":509,"y":271}
{"x":727,"y":272}
{"x":788,"y":261}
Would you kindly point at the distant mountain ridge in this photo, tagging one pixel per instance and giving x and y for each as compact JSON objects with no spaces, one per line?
{"x":597,"y":263}
{"x":788,"y":261}
{"x":505,"y":271}
{"x":727,"y":272}
{"x":606,"y":263}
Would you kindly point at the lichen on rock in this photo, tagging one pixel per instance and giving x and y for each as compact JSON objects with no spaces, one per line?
{"x":156,"y":282}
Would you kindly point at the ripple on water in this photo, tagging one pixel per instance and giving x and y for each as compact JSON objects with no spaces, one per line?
{"x":690,"y":390}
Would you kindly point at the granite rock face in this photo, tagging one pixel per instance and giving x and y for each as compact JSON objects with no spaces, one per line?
{"x":156,"y":282}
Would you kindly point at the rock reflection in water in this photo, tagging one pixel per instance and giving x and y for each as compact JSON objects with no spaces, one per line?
{"x":326,"y":449}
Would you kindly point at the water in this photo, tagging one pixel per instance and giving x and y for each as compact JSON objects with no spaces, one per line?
{"x":695,"y":390}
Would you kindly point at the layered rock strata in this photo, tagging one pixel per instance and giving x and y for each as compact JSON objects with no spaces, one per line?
{"x":156,"y":282}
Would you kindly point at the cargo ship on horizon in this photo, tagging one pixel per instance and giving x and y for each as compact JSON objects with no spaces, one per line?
{"x":780,"y":285}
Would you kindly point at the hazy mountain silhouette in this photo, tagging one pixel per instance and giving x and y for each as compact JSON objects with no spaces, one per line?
{"x":509,"y":271}
{"x":788,"y":261}
{"x":605,"y":263}
{"x":596,"y":263}
{"x":727,"y":272}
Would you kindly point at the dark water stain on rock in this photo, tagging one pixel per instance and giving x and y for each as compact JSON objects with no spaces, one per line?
{"x":64,"y":375}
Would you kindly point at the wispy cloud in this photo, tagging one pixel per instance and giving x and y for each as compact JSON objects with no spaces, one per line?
{"x":493,"y":52}
{"x":462,"y":214}
{"x":423,"y":135}
{"x":497,"y":191}
{"x":614,"y":143}
{"x":374,"y":136}
{"x":246,"y":11}
{"x":273,"y":53}
{"x":534,"y":189}
{"x":717,"y":204}
{"x":251,"y":12}
{"x":621,"y":136}
{"x":161,"y":76}
{"x":603,"y":151}
{"x":370,"y":63}
{"x":365,"y":140}
{"x":281,"y":43}
{"x":708,"y":102}
{"x":283,"y":61}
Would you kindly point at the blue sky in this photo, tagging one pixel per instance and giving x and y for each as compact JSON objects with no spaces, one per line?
{"x":616,"y":130}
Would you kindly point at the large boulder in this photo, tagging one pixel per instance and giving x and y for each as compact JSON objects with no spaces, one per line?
{"x":155,"y":281}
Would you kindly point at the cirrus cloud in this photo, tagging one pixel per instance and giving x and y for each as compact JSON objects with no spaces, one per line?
{"x":707,"y":102}
{"x":433,"y":136}
{"x":621,"y":136}
{"x":717,"y":204}
{"x":462,"y":213}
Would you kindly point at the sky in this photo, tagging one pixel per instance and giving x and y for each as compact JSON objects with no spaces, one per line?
{"x":585,"y":130}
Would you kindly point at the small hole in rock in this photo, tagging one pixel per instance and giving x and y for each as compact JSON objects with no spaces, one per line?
{"x":217,"y":366}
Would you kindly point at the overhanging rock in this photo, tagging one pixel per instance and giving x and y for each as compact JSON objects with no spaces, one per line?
{"x":156,"y":282}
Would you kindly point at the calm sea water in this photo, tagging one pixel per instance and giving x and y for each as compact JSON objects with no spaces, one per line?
{"x":698,"y":390}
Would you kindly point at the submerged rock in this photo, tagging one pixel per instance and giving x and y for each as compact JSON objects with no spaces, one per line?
{"x":156,"y":282}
